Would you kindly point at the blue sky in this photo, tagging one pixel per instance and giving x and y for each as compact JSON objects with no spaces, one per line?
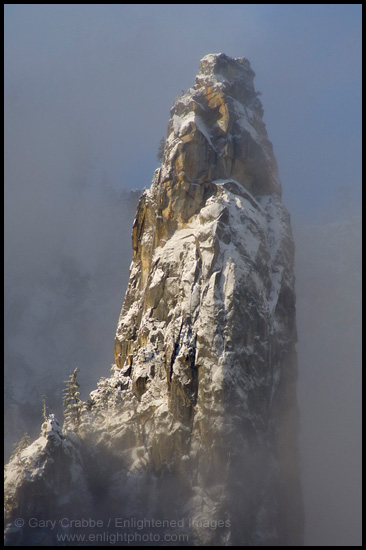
{"x":88,"y":90}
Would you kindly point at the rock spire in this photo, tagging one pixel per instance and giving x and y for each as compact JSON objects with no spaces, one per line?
{"x":199,"y":420}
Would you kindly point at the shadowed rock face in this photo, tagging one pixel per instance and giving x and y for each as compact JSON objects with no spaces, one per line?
{"x":199,"y":420}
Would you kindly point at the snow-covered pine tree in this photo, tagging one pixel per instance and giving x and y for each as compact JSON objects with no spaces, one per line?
{"x":19,"y":447}
{"x":71,"y":402}
{"x":44,"y":409}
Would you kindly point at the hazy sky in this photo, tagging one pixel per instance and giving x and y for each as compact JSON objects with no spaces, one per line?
{"x":88,"y":89}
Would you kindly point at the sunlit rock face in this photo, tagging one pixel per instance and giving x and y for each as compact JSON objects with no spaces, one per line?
{"x":206,"y":337}
{"x":199,"y":419}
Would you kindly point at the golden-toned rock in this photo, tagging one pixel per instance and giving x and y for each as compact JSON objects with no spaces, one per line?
{"x":199,"y":420}
{"x":211,"y":296}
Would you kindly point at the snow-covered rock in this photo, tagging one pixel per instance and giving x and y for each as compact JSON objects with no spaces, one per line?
{"x":199,"y":419}
{"x":41,"y":481}
{"x":206,"y":337}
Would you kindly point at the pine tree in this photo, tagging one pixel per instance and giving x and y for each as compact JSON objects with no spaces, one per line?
{"x":71,"y":401}
{"x":19,"y":447}
{"x":44,"y":409}
{"x":161,"y":147}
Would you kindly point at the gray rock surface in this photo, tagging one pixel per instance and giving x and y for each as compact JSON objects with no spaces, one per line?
{"x":199,"y":420}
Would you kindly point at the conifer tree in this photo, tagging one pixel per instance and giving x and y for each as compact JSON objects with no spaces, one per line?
{"x":44,"y":409}
{"x":161,"y":147}
{"x":71,"y":401}
{"x":19,"y":447}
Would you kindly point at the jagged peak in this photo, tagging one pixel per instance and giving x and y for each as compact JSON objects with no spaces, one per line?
{"x":231,"y":68}
{"x":216,"y":130}
{"x":199,"y":419}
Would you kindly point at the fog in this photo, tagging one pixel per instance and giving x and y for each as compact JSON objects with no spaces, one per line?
{"x":328,"y":272}
{"x":87,"y":96}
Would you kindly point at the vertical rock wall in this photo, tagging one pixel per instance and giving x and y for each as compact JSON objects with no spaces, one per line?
{"x":206,"y":338}
{"x":199,"y":419}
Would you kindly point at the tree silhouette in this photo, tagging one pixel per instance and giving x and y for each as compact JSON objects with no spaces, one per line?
{"x":161,"y":147}
{"x":71,"y":402}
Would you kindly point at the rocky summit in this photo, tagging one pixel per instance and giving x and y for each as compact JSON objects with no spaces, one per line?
{"x":194,"y":435}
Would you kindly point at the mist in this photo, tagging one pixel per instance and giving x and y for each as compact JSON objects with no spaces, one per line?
{"x":328,"y":274}
{"x":87,"y":96}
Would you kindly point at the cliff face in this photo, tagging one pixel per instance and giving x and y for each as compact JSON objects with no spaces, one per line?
{"x":206,"y":337}
{"x":199,"y":419}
